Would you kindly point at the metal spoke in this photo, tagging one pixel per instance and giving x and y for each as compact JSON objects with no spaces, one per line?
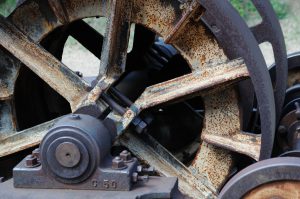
{"x":114,"y":48}
{"x":240,"y":142}
{"x":213,"y":77}
{"x":179,"y":27}
{"x":114,"y":51}
{"x":41,"y":62}
{"x":8,"y":120}
{"x":59,"y":10}
{"x":150,"y":151}
{"x":226,"y":131}
{"x":9,"y":67}
{"x":196,"y":83}
{"x":24,"y":139}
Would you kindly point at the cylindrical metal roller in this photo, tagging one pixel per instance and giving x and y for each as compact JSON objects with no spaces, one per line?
{"x":74,"y":147}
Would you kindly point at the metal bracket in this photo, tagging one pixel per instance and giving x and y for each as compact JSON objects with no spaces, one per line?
{"x":156,"y":187}
{"x":104,"y":178}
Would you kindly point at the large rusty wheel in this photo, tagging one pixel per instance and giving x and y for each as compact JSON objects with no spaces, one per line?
{"x":202,"y":40}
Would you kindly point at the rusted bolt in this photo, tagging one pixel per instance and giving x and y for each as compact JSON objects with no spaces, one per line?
{"x":75,"y":117}
{"x":118,"y":163}
{"x":126,"y":156}
{"x":36,"y":153}
{"x":31,"y":161}
{"x":141,"y":169}
{"x":136,"y":177}
{"x":140,"y":125}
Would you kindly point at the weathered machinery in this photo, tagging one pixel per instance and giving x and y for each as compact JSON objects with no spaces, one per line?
{"x":184,"y":101}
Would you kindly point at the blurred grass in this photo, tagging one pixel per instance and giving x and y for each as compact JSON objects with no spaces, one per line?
{"x":7,"y":6}
{"x":248,"y":11}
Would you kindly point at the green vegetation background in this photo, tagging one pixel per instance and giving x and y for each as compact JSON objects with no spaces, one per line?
{"x":247,"y":9}
{"x":7,"y":6}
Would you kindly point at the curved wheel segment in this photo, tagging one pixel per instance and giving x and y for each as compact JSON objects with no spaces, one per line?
{"x":277,"y":177}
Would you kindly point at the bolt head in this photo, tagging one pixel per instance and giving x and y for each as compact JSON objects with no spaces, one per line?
{"x":150,"y":169}
{"x":75,"y":117}
{"x":126,"y":156}
{"x":135,"y":176}
{"x":31,"y":161}
{"x":141,"y":127}
{"x":118,"y":163}
{"x":139,"y":168}
{"x":36,"y":153}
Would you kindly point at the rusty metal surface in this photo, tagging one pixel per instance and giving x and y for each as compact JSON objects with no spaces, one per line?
{"x":59,"y":11}
{"x":7,"y":120}
{"x":214,"y":76}
{"x":114,"y":48}
{"x":52,"y":71}
{"x":196,"y":83}
{"x":214,"y":163}
{"x":191,"y":183}
{"x":190,"y":11}
{"x":9,"y":68}
{"x":17,"y":141}
{"x":223,"y":128}
{"x":283,"y":190}
{"x":37,"y":17}
{"x":237,"y":40}
{"x":294,"y":77}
